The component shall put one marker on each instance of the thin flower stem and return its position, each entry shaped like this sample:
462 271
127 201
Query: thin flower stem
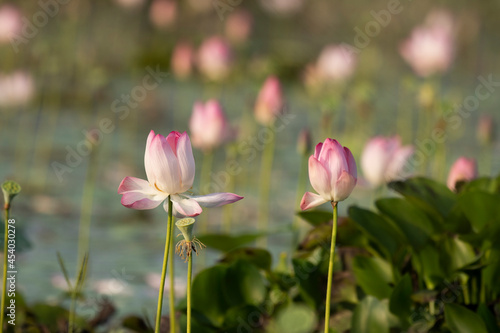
330 268
171 275
266 168
189 275
5 256
168 241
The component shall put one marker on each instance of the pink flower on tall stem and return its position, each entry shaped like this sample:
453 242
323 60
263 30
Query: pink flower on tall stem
215 58
182 60
332 173
464 169
170 170
209 126
383 159
269 104
429 49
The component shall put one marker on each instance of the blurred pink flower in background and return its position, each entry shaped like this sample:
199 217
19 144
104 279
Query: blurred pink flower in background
304 141
429 49
335 63
332 173
383 159
239 26
282 7
464 169
10 23
269 104
214 58
16 89
130 4
182 60
209 126
163 13
170 170
486 129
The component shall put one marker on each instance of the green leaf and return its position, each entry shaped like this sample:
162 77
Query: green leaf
310 281
491 273
373 275
377 228
259 257
372 316
208 293
296 318
430 266
481 208
400 301
244 285
462 320
488 318
456 254
416 228
431 196
316 217
226 243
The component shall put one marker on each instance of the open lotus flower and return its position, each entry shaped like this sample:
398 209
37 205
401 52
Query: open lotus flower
170 169
464 169
383 159
208 125
332 173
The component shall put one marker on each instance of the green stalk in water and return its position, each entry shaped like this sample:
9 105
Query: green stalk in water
171 277
330 268
168 241
10 189
266 167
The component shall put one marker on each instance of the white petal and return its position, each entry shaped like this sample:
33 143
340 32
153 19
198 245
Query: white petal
216 199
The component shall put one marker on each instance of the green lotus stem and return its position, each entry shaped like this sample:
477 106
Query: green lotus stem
171 276
266 168
330 268
189 276
301 188
168 241
5 256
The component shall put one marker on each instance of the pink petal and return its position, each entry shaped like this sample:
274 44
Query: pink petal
165 166
343 187
317 150
147 159
351 163
396 168
319 177
172 139
186 162
186 206
310 200
333 158
138 194
216 199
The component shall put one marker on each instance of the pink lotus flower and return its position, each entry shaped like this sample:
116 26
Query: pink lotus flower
10 23
464 169
383 159
239 26
163 13
269 104
208 125
170 169
215 58
429 49
335 63
332 173
182 60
